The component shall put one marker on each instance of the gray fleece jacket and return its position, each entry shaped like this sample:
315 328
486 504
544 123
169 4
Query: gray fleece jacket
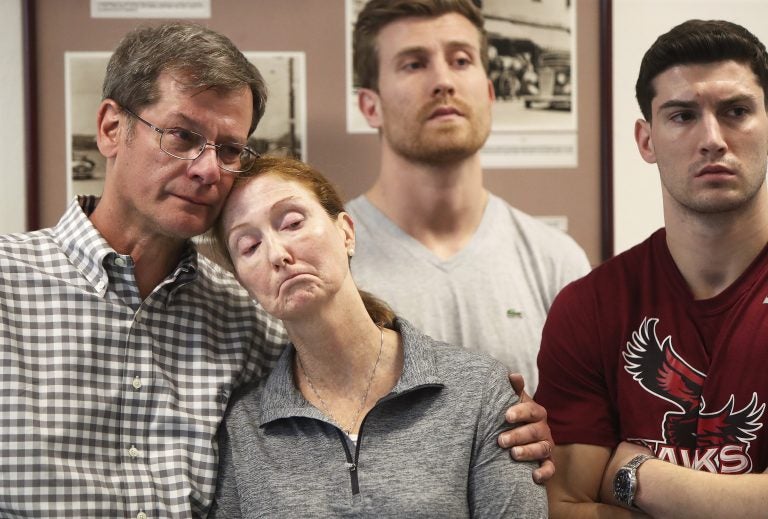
428 449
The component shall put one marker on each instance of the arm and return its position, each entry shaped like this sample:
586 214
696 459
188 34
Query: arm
531 440
669 490
498 486
574 491
226 503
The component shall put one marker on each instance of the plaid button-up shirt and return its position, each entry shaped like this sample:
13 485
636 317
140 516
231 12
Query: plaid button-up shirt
109 404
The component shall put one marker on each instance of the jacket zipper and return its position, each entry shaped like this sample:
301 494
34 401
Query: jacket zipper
351 464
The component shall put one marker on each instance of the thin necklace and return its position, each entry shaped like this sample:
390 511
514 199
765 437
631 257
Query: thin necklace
362 400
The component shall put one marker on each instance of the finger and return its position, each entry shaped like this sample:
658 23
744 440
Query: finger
525 434
517 381
526 412
532 451
545 471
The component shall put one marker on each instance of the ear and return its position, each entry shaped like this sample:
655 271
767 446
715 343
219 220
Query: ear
369 104
644 141
108 128
491 91
347 228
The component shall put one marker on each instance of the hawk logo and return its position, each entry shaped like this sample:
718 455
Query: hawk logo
693 436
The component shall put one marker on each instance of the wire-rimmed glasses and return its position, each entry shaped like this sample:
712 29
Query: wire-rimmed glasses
185 144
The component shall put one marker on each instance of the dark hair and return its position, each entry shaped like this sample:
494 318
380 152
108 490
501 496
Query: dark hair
698 42
378 13
327 196
200 57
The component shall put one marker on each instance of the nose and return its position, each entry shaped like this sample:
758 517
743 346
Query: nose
205 168
444 81
712 140
278 253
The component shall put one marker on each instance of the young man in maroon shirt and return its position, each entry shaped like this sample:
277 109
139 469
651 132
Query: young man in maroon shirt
652 366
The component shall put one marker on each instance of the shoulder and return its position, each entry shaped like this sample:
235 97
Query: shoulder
219 281
230 306
30 248
624 270
246 400
536 231
360 209
23 241
624 277
546 249
454 365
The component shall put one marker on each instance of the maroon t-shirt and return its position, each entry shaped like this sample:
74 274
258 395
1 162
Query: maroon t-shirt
628 354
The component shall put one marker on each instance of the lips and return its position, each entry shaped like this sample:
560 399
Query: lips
194 200
444 110
715 169
288 278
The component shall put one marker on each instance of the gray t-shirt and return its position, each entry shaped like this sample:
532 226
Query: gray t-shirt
428 449
493 296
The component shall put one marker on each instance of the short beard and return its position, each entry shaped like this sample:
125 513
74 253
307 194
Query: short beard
441 148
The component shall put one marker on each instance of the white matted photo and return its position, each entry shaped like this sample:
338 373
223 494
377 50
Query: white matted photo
532 51
282 130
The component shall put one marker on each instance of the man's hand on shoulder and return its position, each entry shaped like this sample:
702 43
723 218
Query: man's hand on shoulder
531 440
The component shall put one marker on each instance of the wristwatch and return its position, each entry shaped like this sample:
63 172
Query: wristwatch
625 481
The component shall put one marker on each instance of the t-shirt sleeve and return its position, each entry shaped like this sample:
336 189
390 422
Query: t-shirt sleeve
572 370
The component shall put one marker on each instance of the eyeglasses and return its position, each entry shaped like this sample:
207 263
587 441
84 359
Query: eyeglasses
188 145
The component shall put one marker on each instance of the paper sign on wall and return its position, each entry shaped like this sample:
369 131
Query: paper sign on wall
150 8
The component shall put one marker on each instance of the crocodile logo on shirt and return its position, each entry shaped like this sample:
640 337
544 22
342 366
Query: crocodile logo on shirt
693 436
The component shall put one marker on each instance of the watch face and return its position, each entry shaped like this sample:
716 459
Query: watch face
623 487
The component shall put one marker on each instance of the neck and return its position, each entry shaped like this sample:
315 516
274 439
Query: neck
154 256
344 363
336 343
712 251
439 205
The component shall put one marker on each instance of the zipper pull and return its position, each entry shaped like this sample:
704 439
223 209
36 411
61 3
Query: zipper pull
351 467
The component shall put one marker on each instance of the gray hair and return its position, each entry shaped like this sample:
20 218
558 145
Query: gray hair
202 58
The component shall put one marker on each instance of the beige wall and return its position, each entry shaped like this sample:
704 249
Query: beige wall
636 24
12 193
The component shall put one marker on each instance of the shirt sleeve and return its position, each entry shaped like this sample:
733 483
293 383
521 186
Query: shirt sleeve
226 503
498 485
269 341
573 368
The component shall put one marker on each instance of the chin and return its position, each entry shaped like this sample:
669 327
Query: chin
296 307
187 228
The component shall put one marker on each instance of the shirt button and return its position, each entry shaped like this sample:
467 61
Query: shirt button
141 515
120 262
133 451
136 382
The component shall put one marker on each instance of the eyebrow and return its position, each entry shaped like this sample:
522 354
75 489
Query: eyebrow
195 126
679 103
420 49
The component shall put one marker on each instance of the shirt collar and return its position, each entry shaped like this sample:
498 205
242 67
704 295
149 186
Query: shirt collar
87 249
281 398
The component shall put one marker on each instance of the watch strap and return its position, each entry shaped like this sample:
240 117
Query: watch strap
631 466
638 460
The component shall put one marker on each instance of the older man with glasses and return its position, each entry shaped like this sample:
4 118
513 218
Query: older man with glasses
121 344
